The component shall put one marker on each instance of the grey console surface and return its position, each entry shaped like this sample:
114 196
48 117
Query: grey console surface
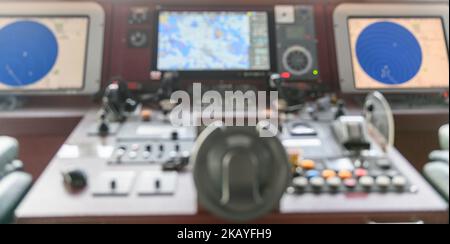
144 193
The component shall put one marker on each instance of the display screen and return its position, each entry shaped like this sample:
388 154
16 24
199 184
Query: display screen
213 41
43 53
399 53
294 32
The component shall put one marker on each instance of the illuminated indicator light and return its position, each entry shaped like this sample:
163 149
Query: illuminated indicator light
285 75
315 72
133 85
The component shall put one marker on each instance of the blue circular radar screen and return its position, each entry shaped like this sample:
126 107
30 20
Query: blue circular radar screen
28 52
389 53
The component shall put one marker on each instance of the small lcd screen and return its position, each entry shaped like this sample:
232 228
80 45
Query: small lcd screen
42 53
213 41
295 32
399 53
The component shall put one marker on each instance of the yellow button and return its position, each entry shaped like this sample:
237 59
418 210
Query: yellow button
307 164
294 157
345 174
328 173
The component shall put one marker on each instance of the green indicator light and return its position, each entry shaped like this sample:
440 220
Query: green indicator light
315 72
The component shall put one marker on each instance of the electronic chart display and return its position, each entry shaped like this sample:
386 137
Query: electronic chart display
213 41
43 53
398 53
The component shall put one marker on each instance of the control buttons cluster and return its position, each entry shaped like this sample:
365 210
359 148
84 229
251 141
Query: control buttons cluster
310 175
150 153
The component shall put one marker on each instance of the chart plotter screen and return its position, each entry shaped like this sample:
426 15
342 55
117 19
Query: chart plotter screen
210 41
399 53
42 53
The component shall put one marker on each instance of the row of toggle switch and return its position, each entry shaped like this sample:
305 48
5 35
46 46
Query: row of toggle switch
149 153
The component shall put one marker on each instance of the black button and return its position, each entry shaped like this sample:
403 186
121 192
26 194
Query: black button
174 135
157 184
113 184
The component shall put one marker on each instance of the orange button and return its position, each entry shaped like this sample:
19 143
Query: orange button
328 173
307 164
146 115
345 174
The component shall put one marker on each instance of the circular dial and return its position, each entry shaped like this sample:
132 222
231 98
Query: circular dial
138 39
297 60
28 52
389 53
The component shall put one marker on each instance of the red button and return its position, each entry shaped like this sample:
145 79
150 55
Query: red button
361 172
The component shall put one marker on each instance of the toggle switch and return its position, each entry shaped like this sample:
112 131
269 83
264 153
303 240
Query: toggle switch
157 184
113 184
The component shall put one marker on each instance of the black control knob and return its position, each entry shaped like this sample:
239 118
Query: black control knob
75 179
174 136
103 128
130 105
340 109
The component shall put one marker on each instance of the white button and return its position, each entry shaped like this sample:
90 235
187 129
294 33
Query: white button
399 181
132 155
334 182
173 154
366 181
146 154
317 182
120 152
383 181
300 182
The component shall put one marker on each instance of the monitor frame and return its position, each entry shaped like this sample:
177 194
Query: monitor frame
344 12
95 39
218 74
